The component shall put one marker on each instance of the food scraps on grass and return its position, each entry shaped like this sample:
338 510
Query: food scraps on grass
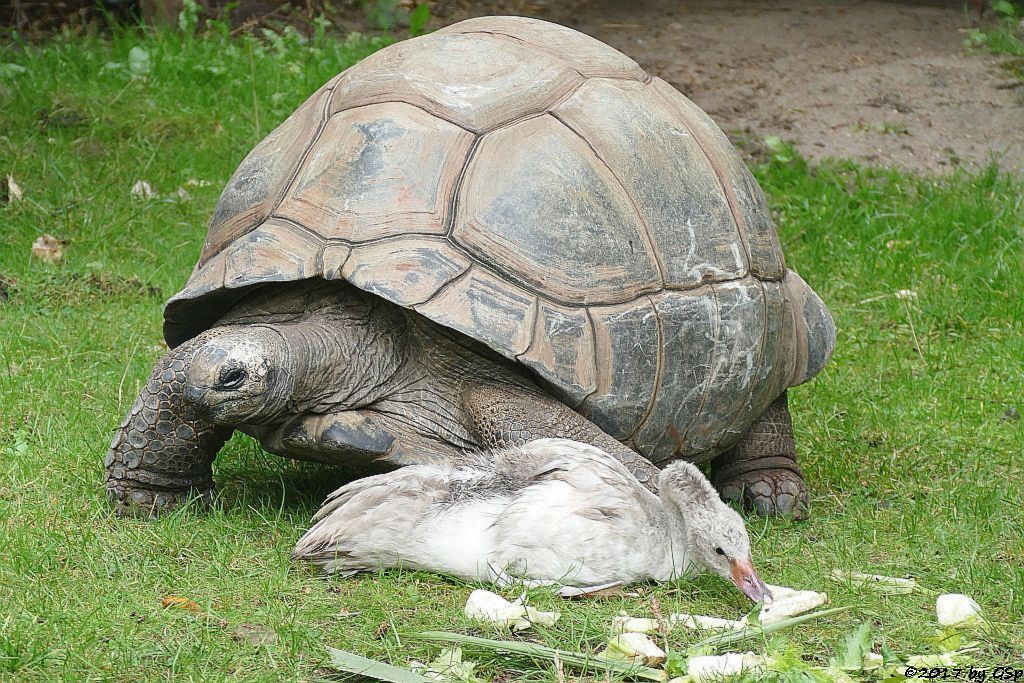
957 609
483 605
623 623
882 584
48 248
634 647
704 623
718 667
448 666
788 602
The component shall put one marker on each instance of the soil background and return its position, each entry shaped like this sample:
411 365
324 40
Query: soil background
886 83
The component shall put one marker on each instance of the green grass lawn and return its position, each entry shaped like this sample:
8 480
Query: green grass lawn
912 466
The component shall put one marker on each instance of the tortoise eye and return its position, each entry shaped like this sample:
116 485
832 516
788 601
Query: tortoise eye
232 378
719 551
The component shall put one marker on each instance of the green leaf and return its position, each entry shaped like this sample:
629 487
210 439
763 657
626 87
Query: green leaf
856 645
675 664
383 14
889 657
837 675
371 668
1004 8
450 666
946 639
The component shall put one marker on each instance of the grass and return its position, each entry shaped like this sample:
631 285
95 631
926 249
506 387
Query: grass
1002 35
913 467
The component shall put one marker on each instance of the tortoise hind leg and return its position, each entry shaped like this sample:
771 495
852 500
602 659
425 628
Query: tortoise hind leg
761 470
163 450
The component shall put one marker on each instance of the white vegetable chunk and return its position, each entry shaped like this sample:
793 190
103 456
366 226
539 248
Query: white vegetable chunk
699 621
483 605
957 609
635 647
627 624
718 667
883 584
788 602
487 606
535 616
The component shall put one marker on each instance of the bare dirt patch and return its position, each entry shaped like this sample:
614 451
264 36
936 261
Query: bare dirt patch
883 83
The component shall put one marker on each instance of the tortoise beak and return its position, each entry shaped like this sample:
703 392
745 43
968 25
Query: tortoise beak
746 579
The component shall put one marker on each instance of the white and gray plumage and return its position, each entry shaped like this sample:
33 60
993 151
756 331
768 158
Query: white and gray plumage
553 509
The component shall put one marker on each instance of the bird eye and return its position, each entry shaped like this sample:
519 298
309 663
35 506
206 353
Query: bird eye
719 551
232 379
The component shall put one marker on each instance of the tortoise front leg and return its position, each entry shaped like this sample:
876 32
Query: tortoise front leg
163 451
761 470
504 416
358 441
342 439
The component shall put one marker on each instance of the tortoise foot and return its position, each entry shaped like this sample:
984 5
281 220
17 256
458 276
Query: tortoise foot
768 492
142 501
162 454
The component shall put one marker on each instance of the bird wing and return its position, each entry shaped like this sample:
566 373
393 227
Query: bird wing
363 524
578 515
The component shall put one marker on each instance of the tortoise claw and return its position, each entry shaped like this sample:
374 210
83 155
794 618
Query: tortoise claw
141 502
768 492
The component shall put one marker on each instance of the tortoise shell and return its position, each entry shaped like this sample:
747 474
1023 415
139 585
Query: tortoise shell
536 190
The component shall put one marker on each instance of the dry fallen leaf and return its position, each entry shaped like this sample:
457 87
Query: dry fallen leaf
254 634
179 602
143 190
7 285
48 248
11 192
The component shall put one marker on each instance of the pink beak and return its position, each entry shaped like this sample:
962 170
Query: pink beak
746 579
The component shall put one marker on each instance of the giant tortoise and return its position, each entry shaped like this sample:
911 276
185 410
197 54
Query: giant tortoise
501 231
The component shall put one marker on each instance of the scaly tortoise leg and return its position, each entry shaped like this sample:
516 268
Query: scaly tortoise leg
359 442
504 416
761 470
163 451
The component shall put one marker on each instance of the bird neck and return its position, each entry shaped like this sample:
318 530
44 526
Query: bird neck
679 535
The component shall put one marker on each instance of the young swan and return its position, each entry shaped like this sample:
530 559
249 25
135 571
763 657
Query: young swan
552 510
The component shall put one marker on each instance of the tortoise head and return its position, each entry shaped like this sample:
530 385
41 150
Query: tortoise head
239 375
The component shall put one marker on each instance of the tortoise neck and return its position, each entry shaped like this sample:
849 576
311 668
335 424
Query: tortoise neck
344 355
